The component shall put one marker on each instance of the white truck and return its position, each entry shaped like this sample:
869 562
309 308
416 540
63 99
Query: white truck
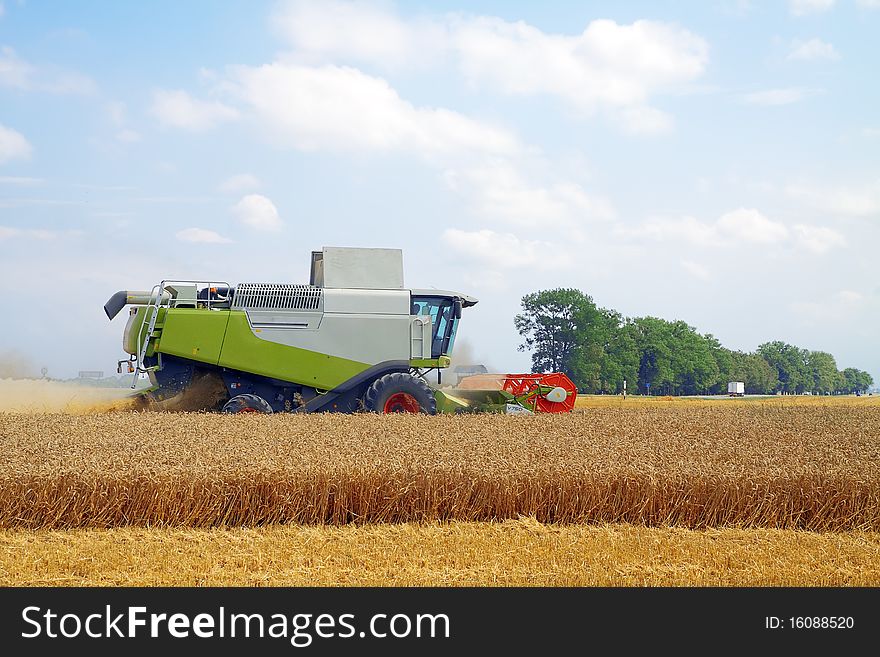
736 389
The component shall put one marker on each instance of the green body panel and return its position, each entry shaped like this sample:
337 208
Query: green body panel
443 361
243 350
225 338
447 403
477 397
132 328
460 400
192 333
137 327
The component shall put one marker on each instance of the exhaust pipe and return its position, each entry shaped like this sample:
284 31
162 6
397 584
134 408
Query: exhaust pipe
125 297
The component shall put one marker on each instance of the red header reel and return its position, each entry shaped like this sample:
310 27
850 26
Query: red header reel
542 393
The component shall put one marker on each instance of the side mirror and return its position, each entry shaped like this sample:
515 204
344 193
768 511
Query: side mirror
456 309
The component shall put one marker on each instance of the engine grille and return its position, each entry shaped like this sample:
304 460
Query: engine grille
278 296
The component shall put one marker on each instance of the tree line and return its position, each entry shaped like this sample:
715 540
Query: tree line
599 349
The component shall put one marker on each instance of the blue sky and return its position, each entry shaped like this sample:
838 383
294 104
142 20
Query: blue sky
717 162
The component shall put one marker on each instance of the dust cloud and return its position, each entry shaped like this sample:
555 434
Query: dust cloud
205 393
463 355
14 365
46 396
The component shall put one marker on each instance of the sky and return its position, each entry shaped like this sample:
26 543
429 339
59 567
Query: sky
716 162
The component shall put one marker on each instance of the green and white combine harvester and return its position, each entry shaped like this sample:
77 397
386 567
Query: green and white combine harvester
352 339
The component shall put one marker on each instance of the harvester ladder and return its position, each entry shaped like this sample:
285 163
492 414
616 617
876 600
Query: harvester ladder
160 297
154 304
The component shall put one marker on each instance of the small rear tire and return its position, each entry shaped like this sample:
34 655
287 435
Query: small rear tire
400 393
247 404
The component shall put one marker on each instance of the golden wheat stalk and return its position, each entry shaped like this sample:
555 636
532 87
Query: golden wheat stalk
802 467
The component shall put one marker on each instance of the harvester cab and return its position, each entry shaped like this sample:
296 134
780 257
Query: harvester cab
353 339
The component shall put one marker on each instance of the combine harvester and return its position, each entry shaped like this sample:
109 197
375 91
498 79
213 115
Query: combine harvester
353 339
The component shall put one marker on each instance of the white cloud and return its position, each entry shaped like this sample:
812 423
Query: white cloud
840 307
258 212
849 296
607 66
201 235
861 201
739 226
2 10
498 189
176 108
14 71
817 239
749 225
20 180
738 7
696 270
869 4
505 250
686 229
117 111
359 31
804 7
871 132
128 136
642 120
785 96
67 83
19 74
242 182
340 108
37 202
7 232
812 50
13 145
344 109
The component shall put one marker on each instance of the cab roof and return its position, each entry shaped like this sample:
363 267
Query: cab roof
466 300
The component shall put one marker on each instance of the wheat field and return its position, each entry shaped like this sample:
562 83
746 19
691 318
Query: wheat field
520 552
635 492
733 465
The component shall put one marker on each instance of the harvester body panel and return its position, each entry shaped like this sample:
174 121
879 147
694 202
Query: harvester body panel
321 346
366 326
193 333
245 348
321 350
134 324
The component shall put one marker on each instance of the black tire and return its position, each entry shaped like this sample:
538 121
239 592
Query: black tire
400 393
247 404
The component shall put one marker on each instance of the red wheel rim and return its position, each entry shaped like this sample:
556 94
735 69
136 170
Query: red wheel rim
248 409
402 402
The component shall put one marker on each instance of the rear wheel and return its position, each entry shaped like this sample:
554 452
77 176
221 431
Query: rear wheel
400 393
247 404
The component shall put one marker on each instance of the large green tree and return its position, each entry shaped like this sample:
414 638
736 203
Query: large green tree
854 380
557 327
599 349
673 358
693 362
652 338
790 362
759 377
620 356
726 361
823 370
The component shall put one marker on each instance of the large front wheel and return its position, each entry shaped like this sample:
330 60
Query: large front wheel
246 403
400 393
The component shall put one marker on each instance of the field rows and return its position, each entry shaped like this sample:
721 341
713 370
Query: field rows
519 552
779 466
